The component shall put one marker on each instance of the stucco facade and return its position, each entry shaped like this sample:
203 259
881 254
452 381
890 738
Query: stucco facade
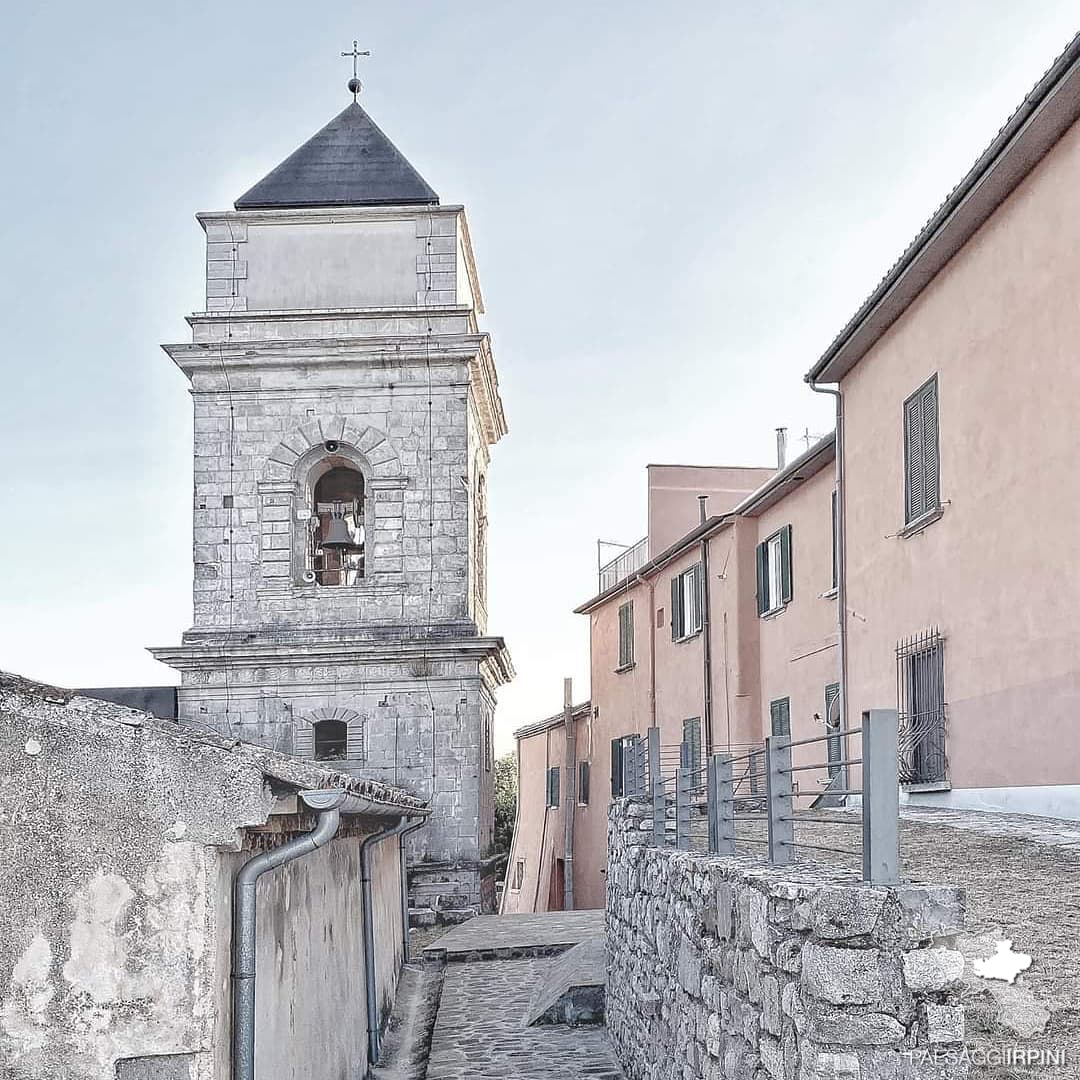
997 327
712 684
122 837
339 351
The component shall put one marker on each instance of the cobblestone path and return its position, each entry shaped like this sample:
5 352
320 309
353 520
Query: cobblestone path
480 1030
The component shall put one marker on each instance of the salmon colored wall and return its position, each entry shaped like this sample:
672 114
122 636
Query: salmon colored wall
1000 326
798 646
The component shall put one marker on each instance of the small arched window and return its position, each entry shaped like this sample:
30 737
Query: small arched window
337 527
331 740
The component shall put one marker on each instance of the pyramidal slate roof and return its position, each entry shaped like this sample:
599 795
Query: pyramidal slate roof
350 162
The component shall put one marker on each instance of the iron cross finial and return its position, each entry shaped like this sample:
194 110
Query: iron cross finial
354 83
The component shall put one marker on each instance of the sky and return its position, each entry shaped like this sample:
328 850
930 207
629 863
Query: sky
675 208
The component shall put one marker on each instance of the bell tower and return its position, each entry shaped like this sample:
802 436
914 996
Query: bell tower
345 405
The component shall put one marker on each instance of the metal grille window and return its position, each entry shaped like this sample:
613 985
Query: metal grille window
691 740
626 635
920 701
686 603
922 486
583 784
774 571
780 716
553 786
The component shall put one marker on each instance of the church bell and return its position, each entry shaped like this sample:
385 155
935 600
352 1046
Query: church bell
338 537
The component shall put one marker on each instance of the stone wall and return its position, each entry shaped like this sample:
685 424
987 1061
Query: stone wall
727 967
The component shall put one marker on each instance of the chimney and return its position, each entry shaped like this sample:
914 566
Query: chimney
703 511
781 447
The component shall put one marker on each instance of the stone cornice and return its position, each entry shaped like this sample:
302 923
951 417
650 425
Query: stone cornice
337 649
325 214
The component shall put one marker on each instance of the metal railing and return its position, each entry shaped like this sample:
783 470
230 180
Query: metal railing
701 807
624 564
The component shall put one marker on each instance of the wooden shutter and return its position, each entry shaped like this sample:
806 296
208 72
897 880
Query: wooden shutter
698 583
583 783
785 564
303 739
931 471
626 634
780 716
762 578
553 786
835 536
676 609
616 768
914 466
355 740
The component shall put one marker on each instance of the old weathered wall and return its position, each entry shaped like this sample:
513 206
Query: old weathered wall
728 968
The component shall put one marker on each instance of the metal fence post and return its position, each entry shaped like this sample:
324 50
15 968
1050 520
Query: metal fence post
721 801
881 797
682 810
778 796
656 788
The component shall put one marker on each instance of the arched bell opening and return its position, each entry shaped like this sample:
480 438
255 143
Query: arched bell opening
337 527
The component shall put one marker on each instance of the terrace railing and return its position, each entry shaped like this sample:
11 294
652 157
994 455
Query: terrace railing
703 807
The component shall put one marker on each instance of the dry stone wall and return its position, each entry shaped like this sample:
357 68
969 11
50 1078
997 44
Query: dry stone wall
725 967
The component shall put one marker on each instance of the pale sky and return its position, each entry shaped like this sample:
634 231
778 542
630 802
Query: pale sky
675 207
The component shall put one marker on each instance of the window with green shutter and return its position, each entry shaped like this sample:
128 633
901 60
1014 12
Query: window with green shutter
922 473
626 635
617 767
553 786
687 603
780 717
774 571
691 734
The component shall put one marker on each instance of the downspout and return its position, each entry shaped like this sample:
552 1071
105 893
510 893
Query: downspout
328 817
366 847
570 757
638 579
841 562
405 829
706 633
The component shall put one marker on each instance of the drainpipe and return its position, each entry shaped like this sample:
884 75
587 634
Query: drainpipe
405 829
706 633
366 848
841 562
639 580
571 795
326 805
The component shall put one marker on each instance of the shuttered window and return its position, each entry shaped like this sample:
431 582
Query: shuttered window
626 635
691 752
774 571
835 544
922 479
780 716
616 768
553 786
583 784
687 603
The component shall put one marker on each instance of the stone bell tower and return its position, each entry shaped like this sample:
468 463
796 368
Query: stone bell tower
345 403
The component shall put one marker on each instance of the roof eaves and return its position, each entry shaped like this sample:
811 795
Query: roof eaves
1041 119
800 470
538 727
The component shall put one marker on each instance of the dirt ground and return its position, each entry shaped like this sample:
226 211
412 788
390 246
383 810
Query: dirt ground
1016 888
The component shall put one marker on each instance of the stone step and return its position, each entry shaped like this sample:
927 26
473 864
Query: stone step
572 989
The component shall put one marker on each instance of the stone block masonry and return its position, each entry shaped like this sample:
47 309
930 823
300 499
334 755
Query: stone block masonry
723 967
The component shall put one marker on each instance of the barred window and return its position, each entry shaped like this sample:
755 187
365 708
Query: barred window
687 603
920 702
922 481
331 740
626 635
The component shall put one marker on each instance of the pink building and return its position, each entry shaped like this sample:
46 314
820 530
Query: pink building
678 641
919 560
